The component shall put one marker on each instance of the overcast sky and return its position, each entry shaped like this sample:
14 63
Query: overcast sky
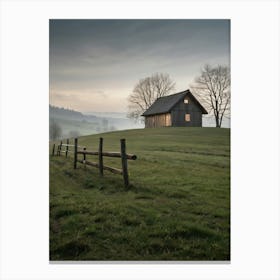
94 64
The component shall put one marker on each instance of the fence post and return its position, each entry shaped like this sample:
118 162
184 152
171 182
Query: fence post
124 163
67 148
53 149
75 152
60 146
100 156
85 156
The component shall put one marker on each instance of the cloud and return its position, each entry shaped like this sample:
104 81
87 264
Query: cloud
105 58
101 93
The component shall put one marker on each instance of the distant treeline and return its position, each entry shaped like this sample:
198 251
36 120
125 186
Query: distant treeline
69 114
64 112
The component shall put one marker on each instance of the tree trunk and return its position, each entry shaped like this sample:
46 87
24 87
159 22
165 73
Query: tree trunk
217 119
221 120
217 122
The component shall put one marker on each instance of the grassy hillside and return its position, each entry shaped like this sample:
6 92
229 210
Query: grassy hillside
178 207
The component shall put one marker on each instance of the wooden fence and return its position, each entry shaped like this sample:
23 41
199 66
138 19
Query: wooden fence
80 150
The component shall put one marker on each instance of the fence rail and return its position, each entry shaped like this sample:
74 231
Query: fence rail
108 154
100 153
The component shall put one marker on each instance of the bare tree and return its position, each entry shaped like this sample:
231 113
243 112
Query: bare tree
212 87
146 91
55 130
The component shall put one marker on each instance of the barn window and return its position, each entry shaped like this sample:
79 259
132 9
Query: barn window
186 101
187 117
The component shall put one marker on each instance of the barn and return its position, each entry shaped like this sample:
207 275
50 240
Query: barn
179 109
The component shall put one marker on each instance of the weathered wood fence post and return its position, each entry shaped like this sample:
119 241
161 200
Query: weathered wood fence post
67 148
60 147
84 156
100 156
75 152
124 163
53 149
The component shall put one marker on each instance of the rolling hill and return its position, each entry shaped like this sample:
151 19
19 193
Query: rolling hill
177 208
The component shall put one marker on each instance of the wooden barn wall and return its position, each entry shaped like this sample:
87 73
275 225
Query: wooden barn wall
179 111
157 120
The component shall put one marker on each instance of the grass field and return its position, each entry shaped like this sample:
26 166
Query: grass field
177 208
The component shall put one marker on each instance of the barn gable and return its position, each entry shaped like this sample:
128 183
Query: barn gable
180 109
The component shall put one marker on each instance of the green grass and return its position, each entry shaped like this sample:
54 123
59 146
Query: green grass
177 208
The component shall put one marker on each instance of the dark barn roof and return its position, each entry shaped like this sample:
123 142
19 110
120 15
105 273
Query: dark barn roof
166 103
